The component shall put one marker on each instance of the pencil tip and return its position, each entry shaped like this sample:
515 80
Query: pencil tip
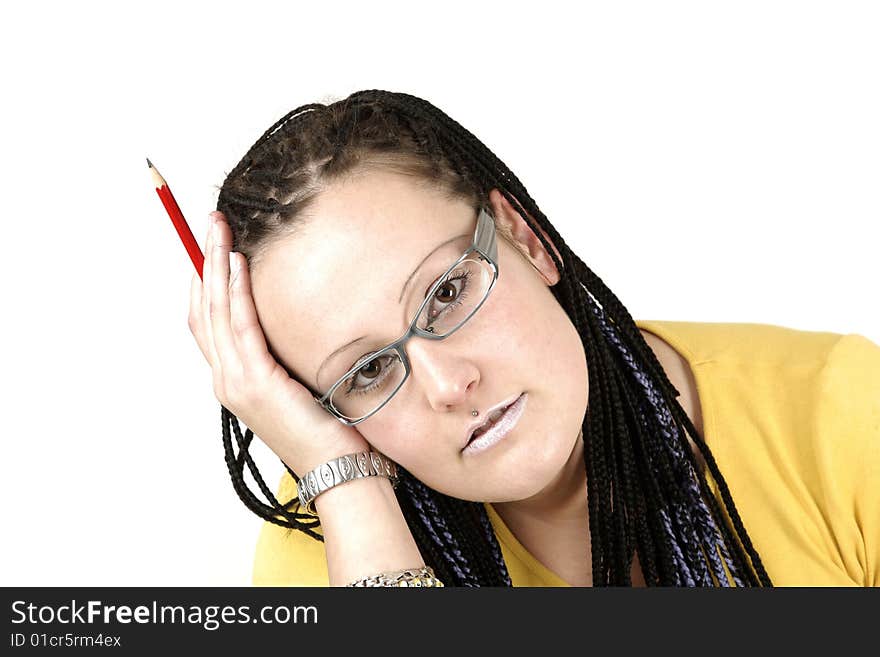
149 164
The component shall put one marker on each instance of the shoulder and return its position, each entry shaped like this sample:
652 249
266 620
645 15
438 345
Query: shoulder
846 443
847 398
852 364
847 401
762 369
793 421
743 376
744 341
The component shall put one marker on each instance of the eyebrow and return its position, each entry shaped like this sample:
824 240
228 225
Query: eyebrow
402 292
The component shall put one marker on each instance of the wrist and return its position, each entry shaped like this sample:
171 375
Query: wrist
346 495
326 448
419 576
340 472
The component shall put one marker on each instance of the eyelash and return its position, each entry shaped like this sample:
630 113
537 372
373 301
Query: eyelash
364 360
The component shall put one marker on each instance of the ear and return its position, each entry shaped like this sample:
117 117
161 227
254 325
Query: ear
509 221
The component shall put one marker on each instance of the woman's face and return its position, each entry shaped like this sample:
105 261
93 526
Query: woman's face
339 277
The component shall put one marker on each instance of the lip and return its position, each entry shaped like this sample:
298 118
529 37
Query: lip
502 426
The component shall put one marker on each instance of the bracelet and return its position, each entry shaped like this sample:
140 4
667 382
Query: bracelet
340 470
423 576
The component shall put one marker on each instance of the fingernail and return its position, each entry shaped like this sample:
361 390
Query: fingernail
215 228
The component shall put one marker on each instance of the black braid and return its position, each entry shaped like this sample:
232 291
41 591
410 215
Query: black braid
644 488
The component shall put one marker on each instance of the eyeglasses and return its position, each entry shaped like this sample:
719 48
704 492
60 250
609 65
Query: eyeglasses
375 378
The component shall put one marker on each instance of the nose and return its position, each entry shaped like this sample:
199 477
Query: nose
439 369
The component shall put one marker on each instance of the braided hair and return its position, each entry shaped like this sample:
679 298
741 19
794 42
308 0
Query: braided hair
645 491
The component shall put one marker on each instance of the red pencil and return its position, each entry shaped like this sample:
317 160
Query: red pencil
186 236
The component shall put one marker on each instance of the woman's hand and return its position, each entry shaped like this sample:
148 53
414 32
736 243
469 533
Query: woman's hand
247 379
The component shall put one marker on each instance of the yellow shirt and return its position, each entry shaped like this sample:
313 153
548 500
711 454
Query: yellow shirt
792 418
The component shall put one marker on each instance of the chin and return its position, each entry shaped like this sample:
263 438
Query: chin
536 474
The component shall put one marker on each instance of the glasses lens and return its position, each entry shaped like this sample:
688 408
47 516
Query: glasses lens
457 297
364 391
454 301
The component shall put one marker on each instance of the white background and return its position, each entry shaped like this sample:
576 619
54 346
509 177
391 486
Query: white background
710 161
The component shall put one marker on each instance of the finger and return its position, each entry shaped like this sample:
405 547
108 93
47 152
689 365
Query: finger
221 244
250 341
206 301
195 315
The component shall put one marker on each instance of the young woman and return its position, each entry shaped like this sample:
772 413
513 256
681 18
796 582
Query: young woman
461 401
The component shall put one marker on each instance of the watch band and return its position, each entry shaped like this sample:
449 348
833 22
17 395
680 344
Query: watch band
341 470
423 576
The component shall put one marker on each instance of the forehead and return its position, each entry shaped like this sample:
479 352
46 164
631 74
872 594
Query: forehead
339 276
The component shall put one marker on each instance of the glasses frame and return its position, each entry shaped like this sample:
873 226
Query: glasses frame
485 244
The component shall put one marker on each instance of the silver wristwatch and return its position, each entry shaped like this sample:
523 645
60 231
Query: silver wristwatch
340 470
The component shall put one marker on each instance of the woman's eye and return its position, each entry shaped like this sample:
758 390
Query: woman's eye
371 370
448 293
371 374
447 290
